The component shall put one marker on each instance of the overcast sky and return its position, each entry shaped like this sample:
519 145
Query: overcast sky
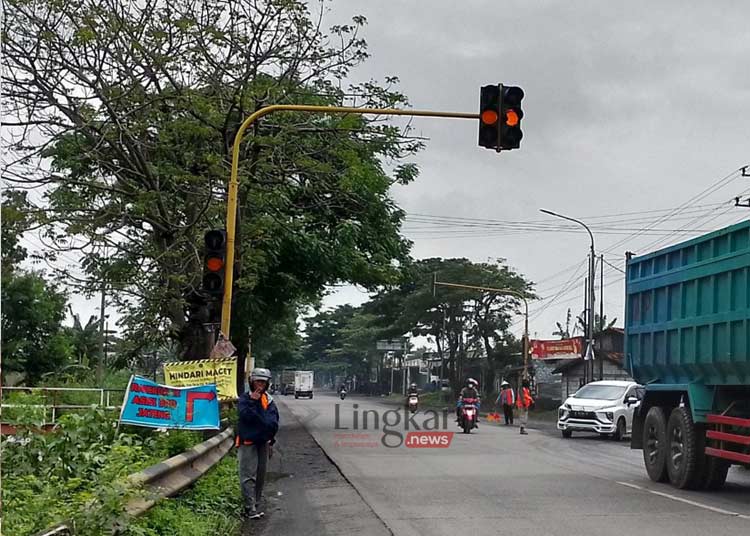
629 107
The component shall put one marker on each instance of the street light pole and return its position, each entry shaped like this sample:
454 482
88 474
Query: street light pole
592 270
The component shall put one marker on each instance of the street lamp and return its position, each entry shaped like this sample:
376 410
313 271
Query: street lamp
590 312
510 292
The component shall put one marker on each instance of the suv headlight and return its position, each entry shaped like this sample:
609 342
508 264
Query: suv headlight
605 415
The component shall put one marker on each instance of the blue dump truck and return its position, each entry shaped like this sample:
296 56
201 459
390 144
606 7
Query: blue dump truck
687 340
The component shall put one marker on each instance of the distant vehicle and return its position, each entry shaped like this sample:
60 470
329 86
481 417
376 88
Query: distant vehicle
687 315
342 394
604 407
287 382
303 383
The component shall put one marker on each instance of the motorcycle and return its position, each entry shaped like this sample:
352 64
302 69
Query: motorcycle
413 403
342 394
468 415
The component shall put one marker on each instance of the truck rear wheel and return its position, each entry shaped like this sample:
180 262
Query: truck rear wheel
686 459
655 444
716 471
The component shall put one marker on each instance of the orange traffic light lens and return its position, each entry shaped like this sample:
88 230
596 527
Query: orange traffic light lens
511 118
489 117
214 264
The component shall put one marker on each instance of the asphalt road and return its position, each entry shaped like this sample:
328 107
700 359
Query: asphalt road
494 480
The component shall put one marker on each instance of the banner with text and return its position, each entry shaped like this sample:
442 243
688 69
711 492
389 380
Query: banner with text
222 372
564 349
153 405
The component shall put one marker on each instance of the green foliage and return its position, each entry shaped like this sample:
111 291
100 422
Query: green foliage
147 160
78 472
209 508
33 339
460 321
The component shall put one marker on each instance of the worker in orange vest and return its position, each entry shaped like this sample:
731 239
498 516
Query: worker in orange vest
524 402
258 424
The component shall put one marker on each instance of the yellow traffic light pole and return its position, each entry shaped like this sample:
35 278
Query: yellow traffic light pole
226 309
509 292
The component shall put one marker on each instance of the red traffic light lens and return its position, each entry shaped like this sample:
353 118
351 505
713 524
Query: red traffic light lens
214 264
489 117
511 118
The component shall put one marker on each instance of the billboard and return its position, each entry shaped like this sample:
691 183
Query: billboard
150 404
560 349
222 372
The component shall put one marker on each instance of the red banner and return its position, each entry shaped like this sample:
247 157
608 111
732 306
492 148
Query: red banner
566 348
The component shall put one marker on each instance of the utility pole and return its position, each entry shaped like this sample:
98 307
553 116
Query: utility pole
601 308
103 344
586 321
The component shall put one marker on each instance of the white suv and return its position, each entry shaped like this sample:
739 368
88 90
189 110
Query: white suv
604 407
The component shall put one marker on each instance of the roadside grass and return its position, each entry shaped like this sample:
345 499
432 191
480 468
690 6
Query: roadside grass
211 507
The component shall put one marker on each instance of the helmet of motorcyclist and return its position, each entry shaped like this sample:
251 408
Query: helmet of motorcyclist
260 374
471 382
413 385
504 383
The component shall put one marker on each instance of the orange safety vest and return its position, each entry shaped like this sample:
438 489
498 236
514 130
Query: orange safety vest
524 400
264 403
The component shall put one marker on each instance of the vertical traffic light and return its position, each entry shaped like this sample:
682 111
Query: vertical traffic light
214 257
489 117
510 117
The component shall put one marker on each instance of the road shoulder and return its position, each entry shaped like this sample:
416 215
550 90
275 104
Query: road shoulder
307 494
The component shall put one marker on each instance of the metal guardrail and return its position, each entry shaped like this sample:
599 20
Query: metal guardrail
166 478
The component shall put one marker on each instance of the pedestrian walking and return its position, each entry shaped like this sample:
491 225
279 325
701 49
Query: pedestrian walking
524 402
258 424
507 399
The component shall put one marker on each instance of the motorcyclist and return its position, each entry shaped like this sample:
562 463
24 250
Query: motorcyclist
412 391
470 391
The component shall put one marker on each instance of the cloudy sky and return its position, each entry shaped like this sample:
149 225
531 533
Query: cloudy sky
632 110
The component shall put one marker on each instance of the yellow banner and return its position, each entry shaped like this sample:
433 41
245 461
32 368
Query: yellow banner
222 372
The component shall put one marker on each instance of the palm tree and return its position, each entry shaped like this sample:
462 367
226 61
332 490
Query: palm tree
564 332
600 324
85 340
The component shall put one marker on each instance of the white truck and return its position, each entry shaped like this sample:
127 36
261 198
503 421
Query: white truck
303 383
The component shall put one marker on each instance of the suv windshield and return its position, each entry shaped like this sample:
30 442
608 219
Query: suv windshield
600 392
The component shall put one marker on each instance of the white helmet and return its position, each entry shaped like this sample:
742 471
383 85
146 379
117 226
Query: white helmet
260 374
472 381
504 383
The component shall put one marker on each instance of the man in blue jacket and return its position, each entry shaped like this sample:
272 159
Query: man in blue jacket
258 424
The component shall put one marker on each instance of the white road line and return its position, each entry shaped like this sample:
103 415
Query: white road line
686 501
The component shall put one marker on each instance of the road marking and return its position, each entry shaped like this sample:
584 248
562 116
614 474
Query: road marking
686 501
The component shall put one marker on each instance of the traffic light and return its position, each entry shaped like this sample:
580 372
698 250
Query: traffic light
500 117
489 117
214 257
510 117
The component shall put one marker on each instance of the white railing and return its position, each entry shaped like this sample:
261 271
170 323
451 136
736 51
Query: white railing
53 403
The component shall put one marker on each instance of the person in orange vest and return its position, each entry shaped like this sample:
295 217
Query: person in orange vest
507 398
258 424
524 402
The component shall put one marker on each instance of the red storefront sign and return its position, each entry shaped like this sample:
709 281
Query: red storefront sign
566 348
